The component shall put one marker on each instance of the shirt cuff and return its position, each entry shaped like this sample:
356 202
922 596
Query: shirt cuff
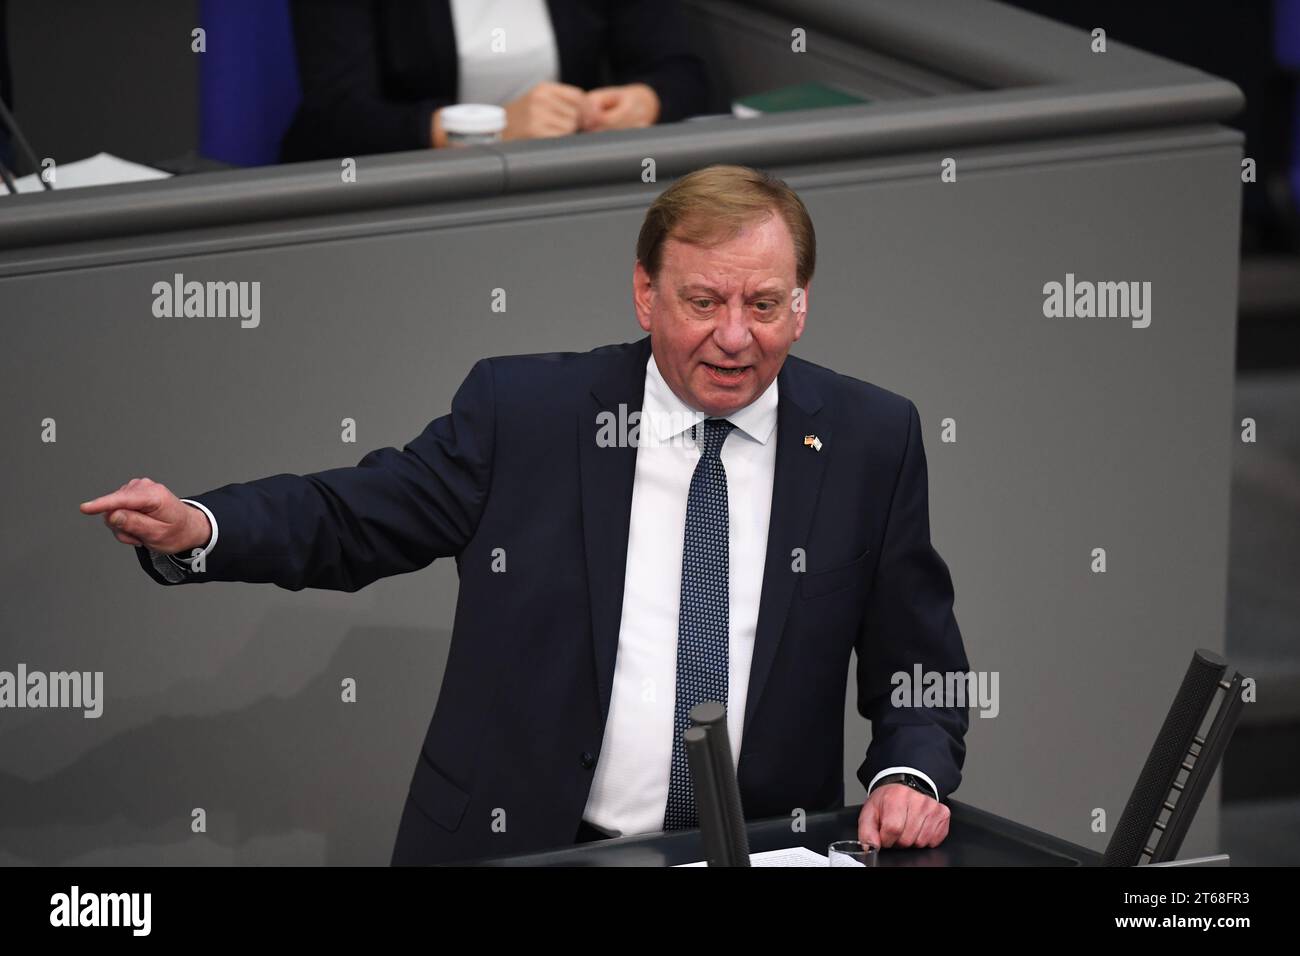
912 770
212 523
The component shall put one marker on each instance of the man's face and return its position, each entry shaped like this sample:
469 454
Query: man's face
721 318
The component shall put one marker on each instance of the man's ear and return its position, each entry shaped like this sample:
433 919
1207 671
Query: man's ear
643 295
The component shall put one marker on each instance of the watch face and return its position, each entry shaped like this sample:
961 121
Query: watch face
916 784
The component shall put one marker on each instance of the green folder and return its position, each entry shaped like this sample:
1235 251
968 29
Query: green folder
802 96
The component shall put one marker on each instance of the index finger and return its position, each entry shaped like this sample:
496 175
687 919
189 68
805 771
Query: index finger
134 499
869 824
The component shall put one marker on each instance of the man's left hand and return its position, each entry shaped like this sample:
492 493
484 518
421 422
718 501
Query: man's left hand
620 107
897 815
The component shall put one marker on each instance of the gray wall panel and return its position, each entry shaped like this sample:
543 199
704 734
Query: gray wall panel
1072 433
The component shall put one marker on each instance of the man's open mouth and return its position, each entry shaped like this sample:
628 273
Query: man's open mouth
728 371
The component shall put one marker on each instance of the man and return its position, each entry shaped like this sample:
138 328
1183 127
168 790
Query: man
692 516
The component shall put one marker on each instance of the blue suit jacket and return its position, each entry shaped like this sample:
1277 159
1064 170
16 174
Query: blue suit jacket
520 718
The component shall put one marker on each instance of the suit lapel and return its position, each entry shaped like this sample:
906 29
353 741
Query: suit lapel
607 475
795 486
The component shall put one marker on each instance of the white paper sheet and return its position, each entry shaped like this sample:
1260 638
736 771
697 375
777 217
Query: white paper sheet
792 856
102 169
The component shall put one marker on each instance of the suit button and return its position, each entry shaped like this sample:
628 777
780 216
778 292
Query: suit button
588 760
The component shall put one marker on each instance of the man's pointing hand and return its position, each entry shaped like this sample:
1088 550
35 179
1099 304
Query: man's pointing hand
144 513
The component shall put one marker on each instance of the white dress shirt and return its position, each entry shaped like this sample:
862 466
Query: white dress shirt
630 789
504 48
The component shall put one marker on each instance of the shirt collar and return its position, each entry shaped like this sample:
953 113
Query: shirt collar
667 415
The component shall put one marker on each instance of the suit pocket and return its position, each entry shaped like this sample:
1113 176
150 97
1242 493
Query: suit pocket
441 800
820 583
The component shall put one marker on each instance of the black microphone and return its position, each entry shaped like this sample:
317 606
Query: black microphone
717 795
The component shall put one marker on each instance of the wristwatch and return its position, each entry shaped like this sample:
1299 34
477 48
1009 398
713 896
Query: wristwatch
907 779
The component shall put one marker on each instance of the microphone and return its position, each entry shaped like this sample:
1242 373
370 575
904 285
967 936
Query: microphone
717 795
16 131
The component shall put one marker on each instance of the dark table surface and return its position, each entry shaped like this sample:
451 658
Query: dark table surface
975 838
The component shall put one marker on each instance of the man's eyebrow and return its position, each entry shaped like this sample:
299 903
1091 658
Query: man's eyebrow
696 287
773 288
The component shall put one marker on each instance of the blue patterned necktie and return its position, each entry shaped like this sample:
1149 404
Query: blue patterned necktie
702 640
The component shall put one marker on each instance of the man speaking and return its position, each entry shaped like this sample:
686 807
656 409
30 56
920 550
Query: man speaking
692 516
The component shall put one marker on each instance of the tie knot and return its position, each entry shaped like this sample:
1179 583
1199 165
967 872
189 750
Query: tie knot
710 434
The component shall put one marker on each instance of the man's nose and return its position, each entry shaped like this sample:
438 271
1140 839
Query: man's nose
732 333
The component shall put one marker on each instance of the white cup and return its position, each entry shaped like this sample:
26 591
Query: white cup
469 124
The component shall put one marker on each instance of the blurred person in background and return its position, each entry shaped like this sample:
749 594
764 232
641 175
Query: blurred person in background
376 75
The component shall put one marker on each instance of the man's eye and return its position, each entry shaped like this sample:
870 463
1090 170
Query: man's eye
703 303
765 306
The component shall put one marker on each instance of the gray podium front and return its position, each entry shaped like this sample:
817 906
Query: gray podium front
377 296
